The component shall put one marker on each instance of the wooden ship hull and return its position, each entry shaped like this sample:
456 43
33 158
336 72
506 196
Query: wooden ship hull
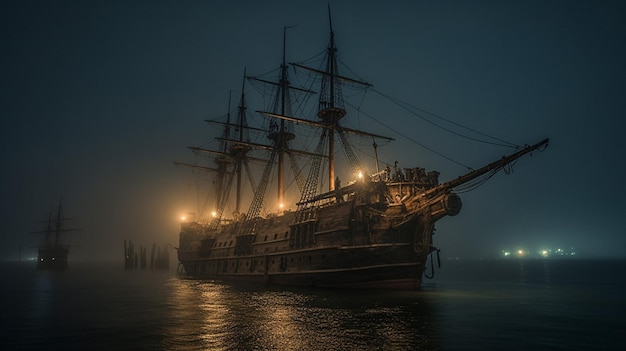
344 245
371 234
348 256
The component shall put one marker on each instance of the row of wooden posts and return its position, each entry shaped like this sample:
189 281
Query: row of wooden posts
159 257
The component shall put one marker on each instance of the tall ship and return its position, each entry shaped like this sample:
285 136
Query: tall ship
375 231
54 245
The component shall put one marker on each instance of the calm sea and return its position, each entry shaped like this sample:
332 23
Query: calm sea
470 305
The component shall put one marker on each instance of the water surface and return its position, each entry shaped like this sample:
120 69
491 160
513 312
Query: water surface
475 305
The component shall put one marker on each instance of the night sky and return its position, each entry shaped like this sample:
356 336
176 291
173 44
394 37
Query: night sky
98 98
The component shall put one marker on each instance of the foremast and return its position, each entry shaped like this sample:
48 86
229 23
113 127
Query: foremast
331 108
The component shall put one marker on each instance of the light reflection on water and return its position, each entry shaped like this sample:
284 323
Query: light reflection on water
233 317
469 306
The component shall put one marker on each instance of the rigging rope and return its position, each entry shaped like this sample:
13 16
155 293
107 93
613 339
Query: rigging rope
404 106
411 139
349 152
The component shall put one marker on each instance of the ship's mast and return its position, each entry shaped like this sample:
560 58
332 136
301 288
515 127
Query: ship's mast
48 230
221 161
280 129
233 150
282 136
239 149
58 227
331 108
330 111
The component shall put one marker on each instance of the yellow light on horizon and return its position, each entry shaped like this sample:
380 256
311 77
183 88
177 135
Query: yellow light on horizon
213 214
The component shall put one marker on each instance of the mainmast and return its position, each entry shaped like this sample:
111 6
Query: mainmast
278 133
331 106
331 109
